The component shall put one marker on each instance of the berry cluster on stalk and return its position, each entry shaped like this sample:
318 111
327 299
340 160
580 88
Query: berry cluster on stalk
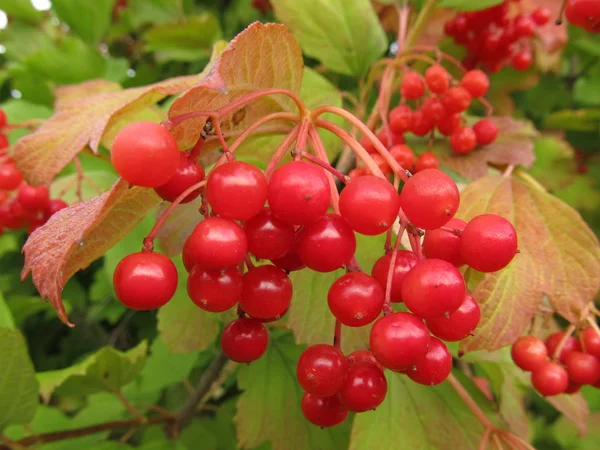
561 364
21 206
584 14
260 226
498 36
429 103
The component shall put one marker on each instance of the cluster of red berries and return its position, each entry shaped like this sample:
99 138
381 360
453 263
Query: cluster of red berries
21 205
584 14
495 37
561 370
297 231
438 105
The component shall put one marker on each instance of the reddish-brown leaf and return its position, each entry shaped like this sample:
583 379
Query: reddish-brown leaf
77 235
513 146
260 57
559 257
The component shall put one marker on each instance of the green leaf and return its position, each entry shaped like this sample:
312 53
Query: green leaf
22 40
18 386
23 10
419 417
94 183
574 120
106 370
199 431
88 20
6 317
141 12
269 407
51 62
345 35
571 438
554 163
184 41
468 5
587 91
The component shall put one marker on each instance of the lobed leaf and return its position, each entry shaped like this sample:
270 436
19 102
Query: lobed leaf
559 257
345 36
260 57
106 370
77 235
178 226
513 146
269 407
18 386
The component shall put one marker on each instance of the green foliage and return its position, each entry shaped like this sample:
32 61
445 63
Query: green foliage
468 5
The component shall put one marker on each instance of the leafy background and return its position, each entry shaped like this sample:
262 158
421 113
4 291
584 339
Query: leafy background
53 378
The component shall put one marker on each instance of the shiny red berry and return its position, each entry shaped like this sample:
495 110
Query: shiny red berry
369 205
188 174
425 161
321 370
458 325
529 353
10 177
217 243
267 292
363 356
355 299
145 154
269 237
443 244
550 379
571 345
401 119
244 340
215 290
34 198
236 190
403 155
299 193
364 389
486 132
476 82
582 368
591 342
405 261
421 124
323 411
437 79
412 86
145 280
522 60
290 261
463 140
435 367
541 16
456 100
54 206
449 123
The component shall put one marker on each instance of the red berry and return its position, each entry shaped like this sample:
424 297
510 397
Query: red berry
4 142
401 118
412 86
186 256
433 110
460 324
34 198
529 353
267 292
584 13
476 82
433 288
355 299
323 411
381 163
368 145
430 199
591 342
389 139
434 367
486 132
442 244
188 173
437 78
421 124
405 261
215 290
54 206
399 340
289 262
356 173
268 237
3 119
571 345
327 244
582 368
363 356
449 123
541 16
522 61
299 193
8 219
463 140
456 100
403 155
425 161
20 212
550 379
321 370
572 388
369 205
236 190
145 154
364 388
244 340
488 243
145 280
217 243
10 177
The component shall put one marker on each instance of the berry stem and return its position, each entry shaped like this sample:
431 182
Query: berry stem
420 23
197 148
454 231
516 440
281 151
351 141
485 439
497 442
337 335
344 178
566 335
415 245
561 12
302 135
471 404
149 240
387 303
322 155
593 324
222 141
260 122
403 13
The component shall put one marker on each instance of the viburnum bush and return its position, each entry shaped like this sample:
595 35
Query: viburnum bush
348 250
